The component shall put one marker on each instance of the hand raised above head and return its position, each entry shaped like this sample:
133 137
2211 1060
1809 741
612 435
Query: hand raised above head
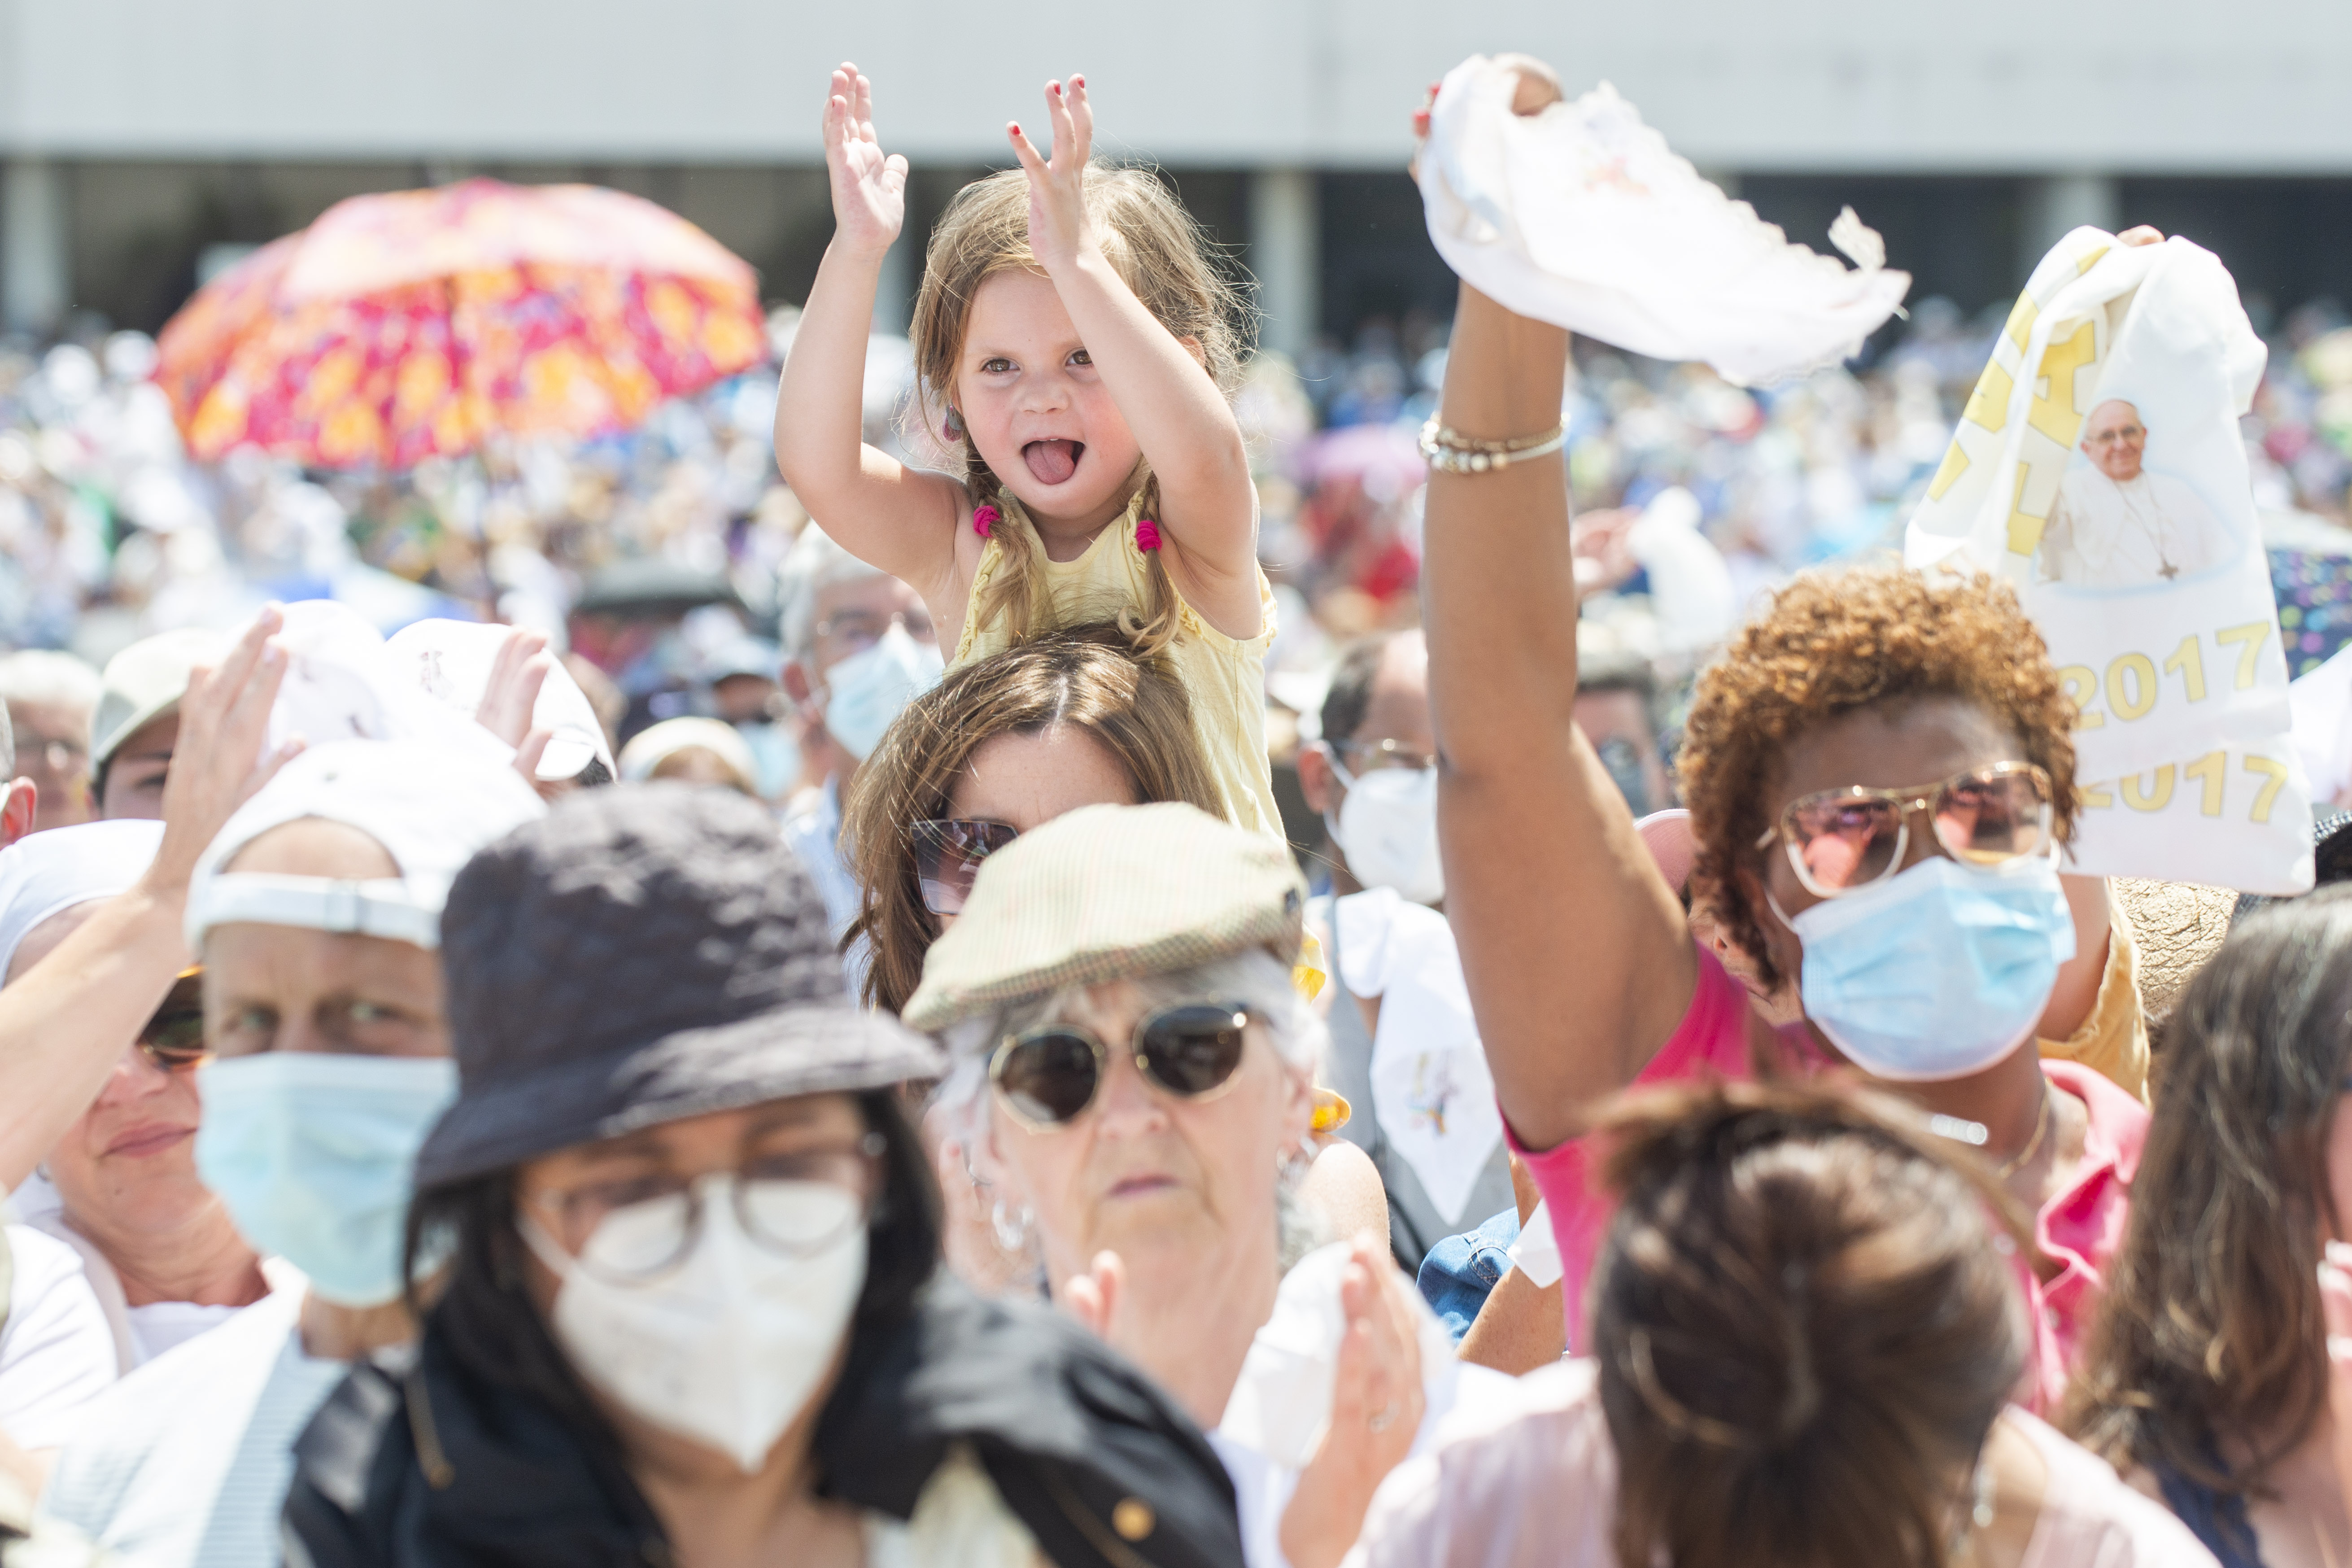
1060 230
1539 86
1537 89
223 720
869 189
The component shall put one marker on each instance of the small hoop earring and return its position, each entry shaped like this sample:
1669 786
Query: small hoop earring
954 423
1012 1227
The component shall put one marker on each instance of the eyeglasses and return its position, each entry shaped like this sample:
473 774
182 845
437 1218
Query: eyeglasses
859 630
1373 756
173 1038
1049 1075
1840 840
794 1204
947 853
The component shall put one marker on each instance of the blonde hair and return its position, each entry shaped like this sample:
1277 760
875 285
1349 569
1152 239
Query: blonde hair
1160 253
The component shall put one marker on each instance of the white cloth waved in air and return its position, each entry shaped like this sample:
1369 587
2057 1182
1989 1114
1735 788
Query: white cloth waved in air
1581 215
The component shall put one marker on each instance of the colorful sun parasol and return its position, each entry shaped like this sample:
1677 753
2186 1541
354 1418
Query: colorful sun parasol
413 324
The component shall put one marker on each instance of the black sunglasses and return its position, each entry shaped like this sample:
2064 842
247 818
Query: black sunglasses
948 854
173 1038
1049 1075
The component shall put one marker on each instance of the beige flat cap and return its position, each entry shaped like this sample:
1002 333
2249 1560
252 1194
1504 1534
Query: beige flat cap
1105 892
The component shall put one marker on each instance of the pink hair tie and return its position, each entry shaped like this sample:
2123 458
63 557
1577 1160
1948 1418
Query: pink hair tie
1147 534
984 520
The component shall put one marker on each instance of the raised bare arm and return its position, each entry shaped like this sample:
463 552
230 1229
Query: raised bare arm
1578 957
1181 421
64 1026
898 519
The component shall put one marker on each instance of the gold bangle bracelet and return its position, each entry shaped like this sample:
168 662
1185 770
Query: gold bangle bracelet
1434 433
1445 457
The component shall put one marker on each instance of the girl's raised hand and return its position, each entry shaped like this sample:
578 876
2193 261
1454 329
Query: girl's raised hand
869 191
1058 230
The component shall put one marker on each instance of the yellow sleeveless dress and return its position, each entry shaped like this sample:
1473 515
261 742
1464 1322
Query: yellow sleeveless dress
1224 676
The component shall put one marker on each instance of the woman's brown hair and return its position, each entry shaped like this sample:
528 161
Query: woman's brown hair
1087 676
1160 253
1804 1327
2209 1359
1829 643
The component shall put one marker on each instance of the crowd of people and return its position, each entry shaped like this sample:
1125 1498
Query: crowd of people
1111 967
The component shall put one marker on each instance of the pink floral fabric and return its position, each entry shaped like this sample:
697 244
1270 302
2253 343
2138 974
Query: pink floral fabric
412 325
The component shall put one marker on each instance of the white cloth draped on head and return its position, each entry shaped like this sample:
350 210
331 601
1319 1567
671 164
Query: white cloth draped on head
46 874
344 682
452 660
431 807
1582 216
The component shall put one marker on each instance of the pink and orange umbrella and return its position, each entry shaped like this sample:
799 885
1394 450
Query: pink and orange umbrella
413 324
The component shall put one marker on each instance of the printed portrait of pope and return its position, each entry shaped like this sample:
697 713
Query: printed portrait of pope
2117 525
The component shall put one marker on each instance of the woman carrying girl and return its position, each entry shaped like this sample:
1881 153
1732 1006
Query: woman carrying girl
1074 342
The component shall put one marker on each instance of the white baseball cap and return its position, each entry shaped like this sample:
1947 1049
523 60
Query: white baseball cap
144 682
430 806
47 873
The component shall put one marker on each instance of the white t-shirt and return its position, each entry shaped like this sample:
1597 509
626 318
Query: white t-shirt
186 1462
161 1325
57 1353
1529 1480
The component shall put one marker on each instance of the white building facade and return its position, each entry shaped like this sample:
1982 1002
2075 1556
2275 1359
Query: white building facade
138 134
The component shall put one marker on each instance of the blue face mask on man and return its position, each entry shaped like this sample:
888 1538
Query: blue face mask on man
1938 971
313 1152
865 691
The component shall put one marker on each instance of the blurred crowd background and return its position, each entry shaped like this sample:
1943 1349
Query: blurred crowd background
652 556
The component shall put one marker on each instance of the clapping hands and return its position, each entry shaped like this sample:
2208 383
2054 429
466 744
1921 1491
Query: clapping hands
870 190
1059 231
1377 1405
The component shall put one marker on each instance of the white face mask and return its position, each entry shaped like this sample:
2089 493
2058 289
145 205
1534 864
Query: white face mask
1387 828
727 1346
867 691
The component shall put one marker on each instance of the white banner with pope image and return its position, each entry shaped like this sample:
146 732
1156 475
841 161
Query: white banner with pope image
2099 470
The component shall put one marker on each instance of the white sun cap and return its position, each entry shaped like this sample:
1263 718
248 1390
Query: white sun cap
430 806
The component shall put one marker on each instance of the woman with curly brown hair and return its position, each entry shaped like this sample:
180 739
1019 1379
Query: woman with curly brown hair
2209 1371
1880 780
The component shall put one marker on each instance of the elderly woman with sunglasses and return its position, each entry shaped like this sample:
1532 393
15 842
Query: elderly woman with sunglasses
1129 1049
997 749
159 1251
1880 779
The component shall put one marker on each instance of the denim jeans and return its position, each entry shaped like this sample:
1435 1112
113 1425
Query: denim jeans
1460 1272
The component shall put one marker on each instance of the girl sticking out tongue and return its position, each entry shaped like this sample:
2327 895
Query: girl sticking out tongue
1075 343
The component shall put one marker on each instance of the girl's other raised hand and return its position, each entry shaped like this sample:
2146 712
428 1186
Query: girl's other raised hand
870 190
1058 229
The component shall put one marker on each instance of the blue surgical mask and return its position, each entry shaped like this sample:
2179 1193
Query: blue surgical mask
867 691
1938 971
313 1154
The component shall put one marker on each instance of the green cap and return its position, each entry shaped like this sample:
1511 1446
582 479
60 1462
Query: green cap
1105 892
144 682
